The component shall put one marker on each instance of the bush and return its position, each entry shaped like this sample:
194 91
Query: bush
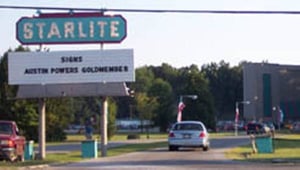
133 136
55 134
111 130
31 133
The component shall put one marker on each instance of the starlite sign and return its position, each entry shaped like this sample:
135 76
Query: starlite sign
64 28
62 67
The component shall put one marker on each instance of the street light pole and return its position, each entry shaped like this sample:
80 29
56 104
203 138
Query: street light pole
237 114
181 105
194 97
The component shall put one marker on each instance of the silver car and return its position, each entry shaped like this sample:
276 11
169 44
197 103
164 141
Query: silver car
188 134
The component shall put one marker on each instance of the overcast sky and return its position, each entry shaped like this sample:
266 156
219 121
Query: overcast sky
185 39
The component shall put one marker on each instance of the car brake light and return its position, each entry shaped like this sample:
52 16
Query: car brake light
202 135
171 135
10 143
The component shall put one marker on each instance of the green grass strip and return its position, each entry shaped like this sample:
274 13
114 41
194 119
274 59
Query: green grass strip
286 149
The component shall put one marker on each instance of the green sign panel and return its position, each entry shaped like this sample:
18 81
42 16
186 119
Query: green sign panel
64 28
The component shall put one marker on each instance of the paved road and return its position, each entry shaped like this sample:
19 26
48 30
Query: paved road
184 159
161 158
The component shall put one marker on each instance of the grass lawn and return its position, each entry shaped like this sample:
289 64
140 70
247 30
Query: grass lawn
117 137
123 136
135 148
286 147
50 158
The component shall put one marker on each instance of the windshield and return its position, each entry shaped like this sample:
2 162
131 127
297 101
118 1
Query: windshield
5 128
188 126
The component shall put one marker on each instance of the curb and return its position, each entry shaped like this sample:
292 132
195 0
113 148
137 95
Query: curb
43 166
285 162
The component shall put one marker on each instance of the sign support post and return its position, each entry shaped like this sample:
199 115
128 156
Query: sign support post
42 124
103 122
104 127
42 128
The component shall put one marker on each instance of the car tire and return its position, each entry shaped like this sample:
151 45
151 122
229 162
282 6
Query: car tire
21 158
173 148
205 148
176 148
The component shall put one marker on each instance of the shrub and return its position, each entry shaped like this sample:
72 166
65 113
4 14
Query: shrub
133 136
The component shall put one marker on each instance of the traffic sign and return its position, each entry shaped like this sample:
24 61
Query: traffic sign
66 28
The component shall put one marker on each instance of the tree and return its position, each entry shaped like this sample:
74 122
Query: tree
146 106
58 116
194 83
162 91
126 105
166 73
226 85
144 79
24 112
111 118
168 84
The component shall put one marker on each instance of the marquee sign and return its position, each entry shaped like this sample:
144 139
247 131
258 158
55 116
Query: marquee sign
62 67
64 28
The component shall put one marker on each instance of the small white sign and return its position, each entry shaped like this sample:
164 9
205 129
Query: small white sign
62 67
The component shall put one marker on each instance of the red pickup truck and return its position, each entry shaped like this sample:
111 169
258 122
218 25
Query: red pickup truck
11 143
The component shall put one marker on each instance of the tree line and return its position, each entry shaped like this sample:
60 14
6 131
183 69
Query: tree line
157 90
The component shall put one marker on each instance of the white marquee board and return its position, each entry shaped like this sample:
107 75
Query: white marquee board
62 67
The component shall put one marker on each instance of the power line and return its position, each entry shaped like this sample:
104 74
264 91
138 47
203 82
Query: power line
151 10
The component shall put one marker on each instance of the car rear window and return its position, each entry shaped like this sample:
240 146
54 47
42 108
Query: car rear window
188 126
5 128
254 126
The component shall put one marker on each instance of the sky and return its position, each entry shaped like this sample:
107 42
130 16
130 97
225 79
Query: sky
184 39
